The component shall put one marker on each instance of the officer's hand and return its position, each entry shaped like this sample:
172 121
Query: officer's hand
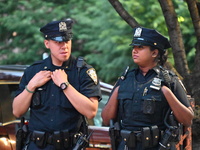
165 90
39 79
59 76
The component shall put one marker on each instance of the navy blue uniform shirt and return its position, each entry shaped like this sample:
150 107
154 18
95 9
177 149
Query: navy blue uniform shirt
132 96
178 89
56 112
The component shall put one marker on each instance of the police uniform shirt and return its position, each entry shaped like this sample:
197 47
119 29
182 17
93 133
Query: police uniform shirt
141 78
178 88
55 111
131 115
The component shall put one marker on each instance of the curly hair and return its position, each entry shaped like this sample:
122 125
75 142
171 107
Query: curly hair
162 56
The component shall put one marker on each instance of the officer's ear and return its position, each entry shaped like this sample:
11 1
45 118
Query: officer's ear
155 53
46 43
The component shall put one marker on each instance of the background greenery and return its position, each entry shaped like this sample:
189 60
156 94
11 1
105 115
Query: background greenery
100 35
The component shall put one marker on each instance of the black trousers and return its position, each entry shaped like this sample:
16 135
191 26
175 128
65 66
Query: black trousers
138 147
33 146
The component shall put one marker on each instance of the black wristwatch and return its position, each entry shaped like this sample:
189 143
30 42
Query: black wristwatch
64 85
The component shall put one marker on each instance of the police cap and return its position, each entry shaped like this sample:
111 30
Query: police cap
149 37
58 30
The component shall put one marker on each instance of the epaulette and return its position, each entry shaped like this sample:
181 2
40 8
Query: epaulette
169 71
123 76
80 62
37 62
172 73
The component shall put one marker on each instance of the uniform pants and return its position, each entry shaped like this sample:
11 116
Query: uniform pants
138 147
33 146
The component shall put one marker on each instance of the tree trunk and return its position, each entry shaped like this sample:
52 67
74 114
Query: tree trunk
176 38
194 13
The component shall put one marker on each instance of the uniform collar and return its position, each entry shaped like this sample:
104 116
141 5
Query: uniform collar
155 69
48 65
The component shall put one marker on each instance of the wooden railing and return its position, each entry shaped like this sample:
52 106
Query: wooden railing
185 142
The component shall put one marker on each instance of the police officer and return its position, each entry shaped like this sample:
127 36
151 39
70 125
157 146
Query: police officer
142 96
59 90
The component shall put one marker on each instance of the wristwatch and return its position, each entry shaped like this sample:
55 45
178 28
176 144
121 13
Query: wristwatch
64 85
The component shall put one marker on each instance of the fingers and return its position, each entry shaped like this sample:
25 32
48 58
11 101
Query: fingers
59 76
58 72
40 78
43 76
48 75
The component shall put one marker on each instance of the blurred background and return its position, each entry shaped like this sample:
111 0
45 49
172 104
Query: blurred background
100 34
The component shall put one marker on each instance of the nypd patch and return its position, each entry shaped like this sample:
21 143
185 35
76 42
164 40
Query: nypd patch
92 73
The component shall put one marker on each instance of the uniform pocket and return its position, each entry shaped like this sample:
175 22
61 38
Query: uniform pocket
38 98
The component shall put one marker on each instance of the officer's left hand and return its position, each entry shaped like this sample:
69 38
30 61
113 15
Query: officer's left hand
59 76
165 89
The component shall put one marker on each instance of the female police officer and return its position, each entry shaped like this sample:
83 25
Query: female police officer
142 96
59 90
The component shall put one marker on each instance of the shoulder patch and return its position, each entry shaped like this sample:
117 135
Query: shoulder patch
92 73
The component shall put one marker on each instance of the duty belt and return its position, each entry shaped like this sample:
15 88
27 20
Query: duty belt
148 136
59 139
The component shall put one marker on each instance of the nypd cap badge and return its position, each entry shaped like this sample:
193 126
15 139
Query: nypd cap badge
138 32
62 27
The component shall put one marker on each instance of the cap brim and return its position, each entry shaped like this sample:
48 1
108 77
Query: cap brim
139 43
60 39
135 44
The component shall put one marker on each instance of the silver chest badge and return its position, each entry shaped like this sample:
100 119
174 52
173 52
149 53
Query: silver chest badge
156 84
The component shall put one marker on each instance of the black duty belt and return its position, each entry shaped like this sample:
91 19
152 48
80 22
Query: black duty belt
59 139
148 136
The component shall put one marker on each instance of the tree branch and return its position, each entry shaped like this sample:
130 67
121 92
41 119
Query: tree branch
123 13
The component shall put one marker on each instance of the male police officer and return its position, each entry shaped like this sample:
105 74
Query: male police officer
141 99
58 91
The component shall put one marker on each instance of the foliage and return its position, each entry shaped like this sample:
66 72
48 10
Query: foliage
100 35
20 24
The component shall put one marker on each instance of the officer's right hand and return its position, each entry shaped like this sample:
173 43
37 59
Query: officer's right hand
39 79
